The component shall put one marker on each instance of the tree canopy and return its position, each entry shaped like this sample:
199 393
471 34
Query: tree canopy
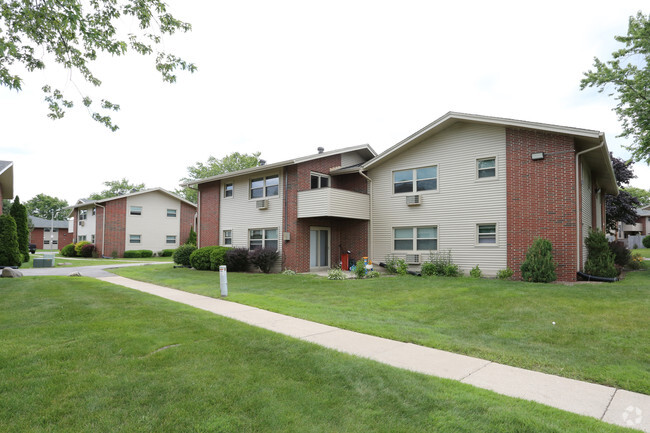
643 195
628 75
229 163
42 206
623 206
116 188
19 214
74 34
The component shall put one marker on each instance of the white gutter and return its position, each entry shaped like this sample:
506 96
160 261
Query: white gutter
370 242
103 227
579 201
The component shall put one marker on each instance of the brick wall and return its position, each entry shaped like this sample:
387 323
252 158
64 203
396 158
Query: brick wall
208 232
36 237
187 221
115 228
541 197
65 238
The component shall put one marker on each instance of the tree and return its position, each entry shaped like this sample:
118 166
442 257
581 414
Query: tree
623 206
19 214
539 266
74 34
9 253
42 206
116 188
643 195
629 76
233 162
6 206
600 259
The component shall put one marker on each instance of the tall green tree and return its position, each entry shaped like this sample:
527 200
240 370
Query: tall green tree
642 195
9 252
229 163
75 34
627 78
116 188
6 206
43 205
19 214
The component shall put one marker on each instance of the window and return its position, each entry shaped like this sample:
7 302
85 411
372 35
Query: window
319 181
415 180
92 239
263 238
46 229
134 239
94 211
83 214
265 186
486 167
136 210
55 242
227 237
46 242
486 233
228 190
82 238
415 239
171 213
170 239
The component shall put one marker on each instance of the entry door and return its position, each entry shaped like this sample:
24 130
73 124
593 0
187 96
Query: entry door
319 247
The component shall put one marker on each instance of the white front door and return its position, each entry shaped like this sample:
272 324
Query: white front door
319 247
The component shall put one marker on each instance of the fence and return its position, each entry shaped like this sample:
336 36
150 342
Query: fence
634 241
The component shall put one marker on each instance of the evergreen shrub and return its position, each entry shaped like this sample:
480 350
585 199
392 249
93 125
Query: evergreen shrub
19 213
200 258
218 257
539 266
182 254
10 254
646 241
600 259
68 251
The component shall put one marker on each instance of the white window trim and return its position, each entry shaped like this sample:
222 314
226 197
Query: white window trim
233 190
135 243
223 237
414 170
496 169
415 239
264 196
171 243
135 215
320 175
496 235
264 229
175 213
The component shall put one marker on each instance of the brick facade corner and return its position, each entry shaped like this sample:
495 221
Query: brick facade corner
208 232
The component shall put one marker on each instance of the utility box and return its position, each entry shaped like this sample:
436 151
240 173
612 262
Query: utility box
43 263
345 261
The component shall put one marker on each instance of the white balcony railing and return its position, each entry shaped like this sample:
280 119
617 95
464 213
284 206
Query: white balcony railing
333 202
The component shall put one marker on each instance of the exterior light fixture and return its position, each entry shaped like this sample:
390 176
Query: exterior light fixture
537 156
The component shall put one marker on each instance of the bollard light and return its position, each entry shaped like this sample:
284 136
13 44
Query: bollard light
223 280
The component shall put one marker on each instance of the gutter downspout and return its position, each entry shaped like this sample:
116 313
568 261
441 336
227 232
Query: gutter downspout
579 200
103 227
370 241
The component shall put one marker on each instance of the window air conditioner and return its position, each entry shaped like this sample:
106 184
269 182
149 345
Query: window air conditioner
82 223
262 204
413 200
413 259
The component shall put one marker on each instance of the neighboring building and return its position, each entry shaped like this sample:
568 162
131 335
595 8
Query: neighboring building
6 181
642 226
152 219
481 187
48 234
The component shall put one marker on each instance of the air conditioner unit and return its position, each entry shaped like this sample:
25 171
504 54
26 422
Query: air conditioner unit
413 200
413 259
82 223
262 204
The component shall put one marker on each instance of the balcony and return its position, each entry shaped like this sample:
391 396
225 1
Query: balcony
332 202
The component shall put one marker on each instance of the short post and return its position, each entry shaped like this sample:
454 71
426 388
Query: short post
223 280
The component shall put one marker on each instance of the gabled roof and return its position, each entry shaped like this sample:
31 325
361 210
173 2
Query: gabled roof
84 202
364 149
38 222
7 179
584 139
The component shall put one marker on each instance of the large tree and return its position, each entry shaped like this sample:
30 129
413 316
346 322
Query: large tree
73 33
229 163
42 206
643 195
629 77
10 254
623 206
19 214
116 188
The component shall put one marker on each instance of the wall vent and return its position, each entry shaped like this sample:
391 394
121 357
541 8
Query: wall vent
262 204
413 200
413 259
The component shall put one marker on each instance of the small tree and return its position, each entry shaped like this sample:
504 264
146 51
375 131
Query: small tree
191 239
600 259
539 266
646 241
19 214
10 254
182 254
264 258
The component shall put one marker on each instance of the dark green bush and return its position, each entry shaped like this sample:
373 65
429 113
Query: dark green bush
237 260
646 241
146 253
19 213
87 250
621 253
264 258
68 251
218 257
451 270
10 254
132 254
167 253
440 264
539 266
476 272
359 269
200 259
600 259
182 254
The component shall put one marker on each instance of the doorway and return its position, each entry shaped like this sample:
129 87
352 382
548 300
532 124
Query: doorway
319 247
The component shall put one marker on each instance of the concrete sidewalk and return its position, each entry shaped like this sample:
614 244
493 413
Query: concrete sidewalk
608 404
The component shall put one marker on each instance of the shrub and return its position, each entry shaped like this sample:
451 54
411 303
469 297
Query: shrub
87 250
636 261
288 272
237 259
621 253
167 253
451 270
359 269
132 254
440 264
201 260
10 254
335 274
373 274
505 274
146 253
182 254
476 272
396 266
18 212
78 246
600 259
218 257
68 251
264 258
539 266
191 239
646 241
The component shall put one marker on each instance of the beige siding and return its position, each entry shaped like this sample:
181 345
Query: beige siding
461 202
153 225
332 202
585 201
351 158
88 228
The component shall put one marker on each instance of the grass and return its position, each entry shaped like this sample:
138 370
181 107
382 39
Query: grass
645 252
80 355
601 332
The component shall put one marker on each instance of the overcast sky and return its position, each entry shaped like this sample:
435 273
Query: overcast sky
284 78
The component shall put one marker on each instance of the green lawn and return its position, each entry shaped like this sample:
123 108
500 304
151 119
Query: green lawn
645 252
80 355
602 331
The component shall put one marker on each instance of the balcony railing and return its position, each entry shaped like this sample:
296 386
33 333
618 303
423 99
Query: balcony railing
333 202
